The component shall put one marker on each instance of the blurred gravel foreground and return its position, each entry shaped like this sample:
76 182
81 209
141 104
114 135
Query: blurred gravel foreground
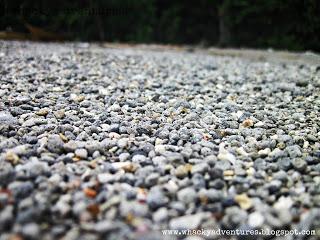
102 142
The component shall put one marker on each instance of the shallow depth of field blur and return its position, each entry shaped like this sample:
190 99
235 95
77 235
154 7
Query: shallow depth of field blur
278 24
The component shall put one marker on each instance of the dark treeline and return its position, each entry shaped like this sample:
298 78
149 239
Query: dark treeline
284 24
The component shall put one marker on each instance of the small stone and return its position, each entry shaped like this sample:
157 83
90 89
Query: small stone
12 157
264 152
312 138
160 215
77 98
81 153
62 207
7 173
259 124
6 118
152 179
244 201
31 230
224 155
21 189
156 199
89 192
294 151
211 195
200 168
59 114
250 171
122 142
255 220
228 173
174 157
187 195
123 157
247 123
160 149
105 177
42 112
114 135
299 164
104 226
283 203
33 168
6 217
182 170
302 83
55 144
216 173
284 163
70 146
241 151
139 158
34 121
63 137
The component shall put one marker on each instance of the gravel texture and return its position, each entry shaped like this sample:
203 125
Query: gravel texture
100 143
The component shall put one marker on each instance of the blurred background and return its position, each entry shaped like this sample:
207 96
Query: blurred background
279 24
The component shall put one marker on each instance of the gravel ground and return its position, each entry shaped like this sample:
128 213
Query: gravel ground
100 143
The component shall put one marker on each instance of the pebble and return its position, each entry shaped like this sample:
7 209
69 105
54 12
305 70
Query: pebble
6 118
265 152
105 177
82 153
31 230
224 155
160 215
7 173
200 168
183 170
156 199
244 201
55 144
187 195
256 220
299 164
122 143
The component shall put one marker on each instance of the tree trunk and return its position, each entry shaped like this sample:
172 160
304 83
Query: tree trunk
224 25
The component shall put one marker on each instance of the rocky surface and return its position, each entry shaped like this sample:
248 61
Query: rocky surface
101 143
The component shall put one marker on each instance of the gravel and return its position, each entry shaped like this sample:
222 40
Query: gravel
98 142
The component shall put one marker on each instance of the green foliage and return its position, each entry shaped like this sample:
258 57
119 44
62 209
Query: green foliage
286 24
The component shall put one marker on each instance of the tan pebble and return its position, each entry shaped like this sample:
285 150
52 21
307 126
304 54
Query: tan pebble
281 145
182 171
63 137
244 201
126 166
247 123
93 163
12 157
79 98
76 159
59 114
228 173
42 112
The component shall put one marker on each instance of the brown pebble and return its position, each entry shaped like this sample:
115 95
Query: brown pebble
247 123
89 192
